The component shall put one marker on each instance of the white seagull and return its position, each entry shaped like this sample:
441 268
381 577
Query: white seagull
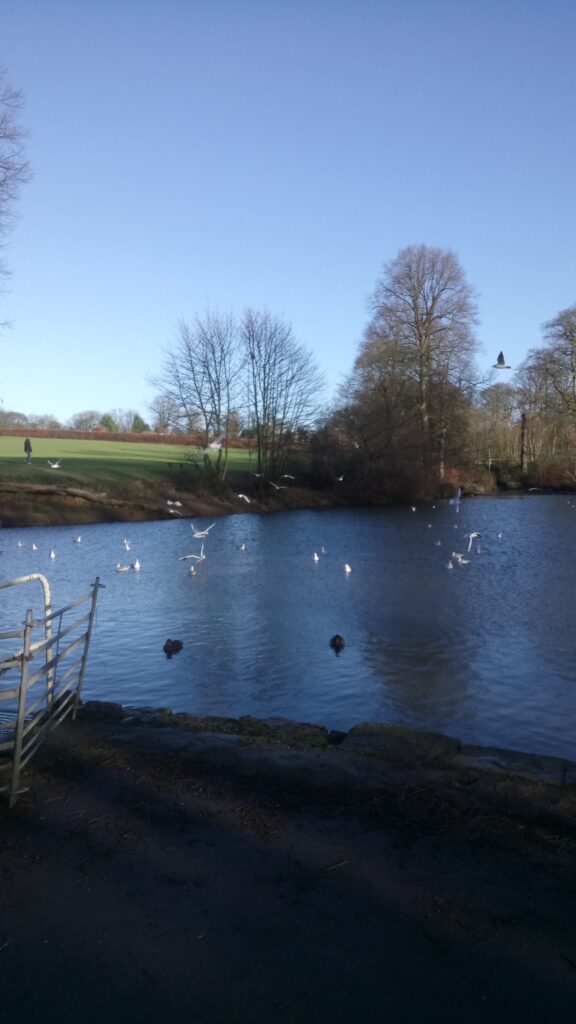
136 565
199 558
316 556
244 498
201 533
347 568
52 553
471 538
215 445
122 568
53 465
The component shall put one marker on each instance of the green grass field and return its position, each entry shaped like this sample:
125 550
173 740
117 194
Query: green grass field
93 464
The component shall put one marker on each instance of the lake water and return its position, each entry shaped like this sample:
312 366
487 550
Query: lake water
484 651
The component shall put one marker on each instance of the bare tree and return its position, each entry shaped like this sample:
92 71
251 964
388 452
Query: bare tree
201 376
14 170
167 415
10 419
44 421
87 420
559 356
424 311
284 386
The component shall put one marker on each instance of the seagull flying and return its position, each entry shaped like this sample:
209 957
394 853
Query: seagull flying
215 445
199 558
244 497
53 465
201 533
471 538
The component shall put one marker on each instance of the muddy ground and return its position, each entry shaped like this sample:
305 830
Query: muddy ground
154 874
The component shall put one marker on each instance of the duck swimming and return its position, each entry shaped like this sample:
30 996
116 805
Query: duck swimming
172 647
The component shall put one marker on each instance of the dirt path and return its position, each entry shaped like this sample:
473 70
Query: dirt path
152 874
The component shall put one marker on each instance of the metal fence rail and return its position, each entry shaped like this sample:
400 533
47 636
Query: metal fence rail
40 683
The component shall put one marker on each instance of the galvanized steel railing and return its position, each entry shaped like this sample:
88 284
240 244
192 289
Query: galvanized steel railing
34 700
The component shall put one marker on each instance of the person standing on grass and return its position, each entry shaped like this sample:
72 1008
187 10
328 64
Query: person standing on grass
28 450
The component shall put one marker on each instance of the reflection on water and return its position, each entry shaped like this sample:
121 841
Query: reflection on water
484 651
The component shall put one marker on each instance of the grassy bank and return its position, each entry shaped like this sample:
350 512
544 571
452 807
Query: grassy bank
105 463
103 481
100 481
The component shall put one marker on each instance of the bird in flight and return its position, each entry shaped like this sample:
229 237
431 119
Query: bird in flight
53 465
198 558
501 363
471 538
201 533
214 445
244 498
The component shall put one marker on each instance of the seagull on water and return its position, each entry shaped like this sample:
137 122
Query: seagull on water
347 568
52 553
122 568
316 556
136 565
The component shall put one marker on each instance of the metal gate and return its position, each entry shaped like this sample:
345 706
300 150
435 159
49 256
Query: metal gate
40 683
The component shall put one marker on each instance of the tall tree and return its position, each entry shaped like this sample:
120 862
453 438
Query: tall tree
424 311
201 376
284 386
167 415
560 356
14 170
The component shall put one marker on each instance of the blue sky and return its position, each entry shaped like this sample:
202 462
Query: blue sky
191 155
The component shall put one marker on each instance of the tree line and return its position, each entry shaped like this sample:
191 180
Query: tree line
413 412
